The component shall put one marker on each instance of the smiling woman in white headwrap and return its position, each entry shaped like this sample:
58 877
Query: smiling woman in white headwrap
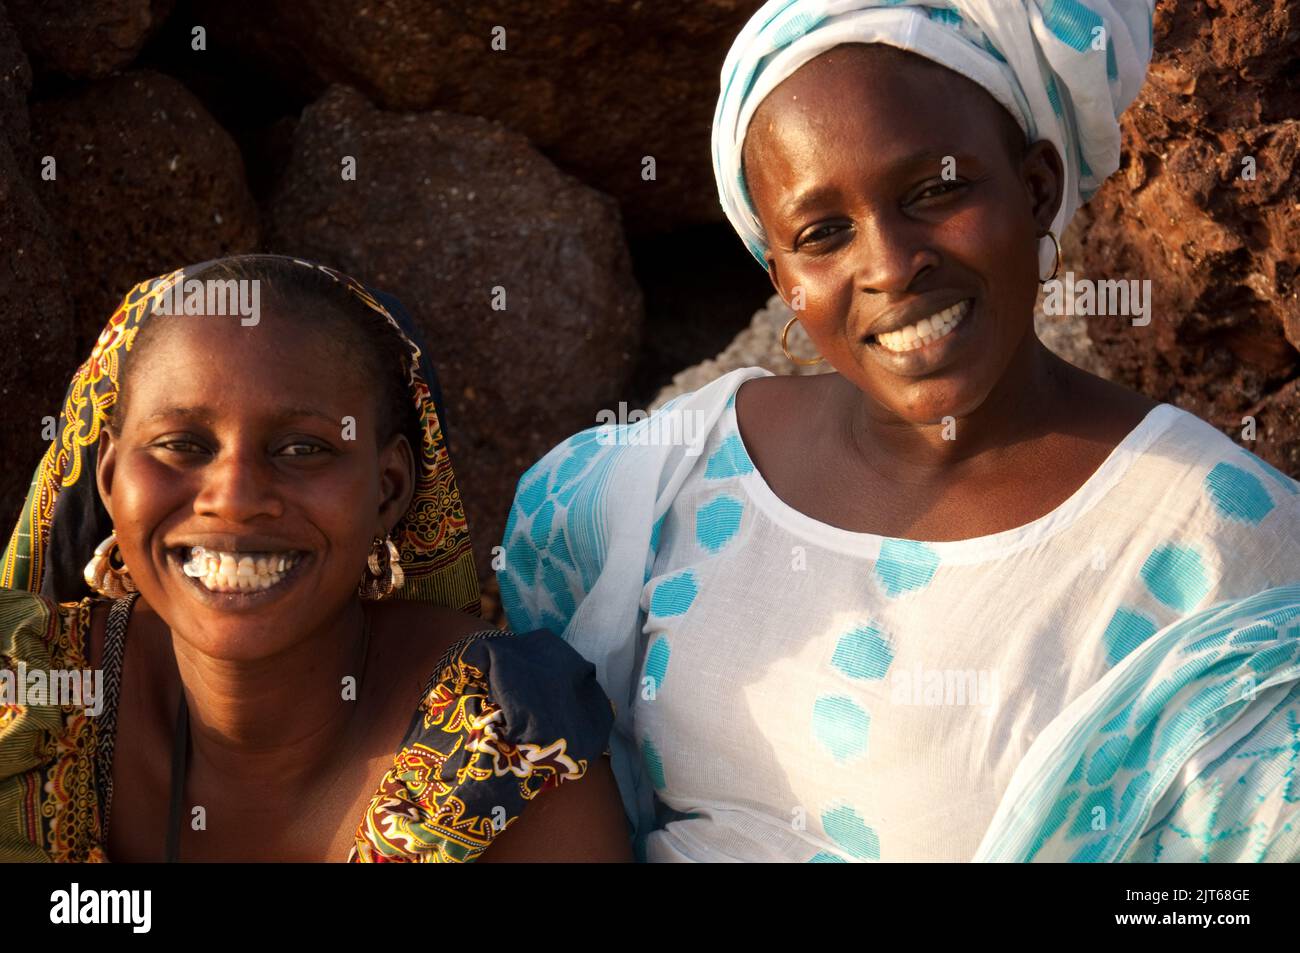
959 600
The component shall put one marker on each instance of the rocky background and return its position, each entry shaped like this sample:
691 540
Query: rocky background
188 129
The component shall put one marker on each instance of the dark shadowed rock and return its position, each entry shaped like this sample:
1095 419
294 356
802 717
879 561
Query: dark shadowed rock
35 334
147 181
1221 249
596 86
445 209
15 86
86 39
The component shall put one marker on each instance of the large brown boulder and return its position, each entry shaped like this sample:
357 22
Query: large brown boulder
35 307
596 86
443 210
86 40
1221 249
15 87
146 182
35 334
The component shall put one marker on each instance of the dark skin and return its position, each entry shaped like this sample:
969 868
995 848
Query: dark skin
283 765
889 236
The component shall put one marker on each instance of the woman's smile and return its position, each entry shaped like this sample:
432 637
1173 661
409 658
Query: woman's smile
235 580
930 345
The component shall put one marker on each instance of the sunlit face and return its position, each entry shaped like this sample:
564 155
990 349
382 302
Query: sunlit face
234 440
845 164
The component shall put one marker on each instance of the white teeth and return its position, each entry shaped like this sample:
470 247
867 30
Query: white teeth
237 572
925 331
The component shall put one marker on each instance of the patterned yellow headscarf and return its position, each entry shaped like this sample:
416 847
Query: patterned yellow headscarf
64 519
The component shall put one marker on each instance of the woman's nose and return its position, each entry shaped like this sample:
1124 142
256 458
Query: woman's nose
892 255
238 486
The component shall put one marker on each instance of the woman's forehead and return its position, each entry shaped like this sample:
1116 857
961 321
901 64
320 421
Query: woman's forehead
875 98
890 86
278 355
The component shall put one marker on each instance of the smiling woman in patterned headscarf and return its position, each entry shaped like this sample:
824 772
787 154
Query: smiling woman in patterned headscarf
249 524
958 600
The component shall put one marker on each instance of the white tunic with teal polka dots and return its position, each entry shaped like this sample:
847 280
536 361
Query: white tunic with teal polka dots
791 691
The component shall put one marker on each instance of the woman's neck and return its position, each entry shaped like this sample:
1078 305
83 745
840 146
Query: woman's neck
278 719
1023 403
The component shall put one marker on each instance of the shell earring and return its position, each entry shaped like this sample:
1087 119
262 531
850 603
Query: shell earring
101 575
383 571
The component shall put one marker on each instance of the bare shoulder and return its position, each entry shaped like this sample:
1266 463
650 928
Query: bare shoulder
1115 410
421 631
769 408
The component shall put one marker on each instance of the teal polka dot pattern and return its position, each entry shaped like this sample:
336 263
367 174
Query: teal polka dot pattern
729 460
1238 494
1148 726
540 531
1127 629
826 857
864 653
1072 22
1106 760
717 521
656 662
557 584
654 764
1098 808
531 495
521 559
846 828
1277 476
656 531
1176 576
840 725
674 595
905 565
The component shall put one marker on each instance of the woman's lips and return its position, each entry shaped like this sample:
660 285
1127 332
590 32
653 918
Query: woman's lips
930 357
225 589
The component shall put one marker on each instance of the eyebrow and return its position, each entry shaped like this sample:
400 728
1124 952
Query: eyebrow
206 415
819 193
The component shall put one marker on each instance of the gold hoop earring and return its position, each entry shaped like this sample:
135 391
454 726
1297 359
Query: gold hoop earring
802 362
1052 235
383 575
104 577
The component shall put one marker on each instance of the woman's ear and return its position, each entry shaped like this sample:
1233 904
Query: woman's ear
1044 178
396 482
105 462
772 275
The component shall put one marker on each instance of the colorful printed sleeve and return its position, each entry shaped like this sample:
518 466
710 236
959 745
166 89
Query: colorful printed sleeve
49 803
504 719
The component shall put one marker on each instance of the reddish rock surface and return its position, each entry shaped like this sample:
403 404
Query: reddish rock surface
445 208
86 40
147 182
595 85
1222 251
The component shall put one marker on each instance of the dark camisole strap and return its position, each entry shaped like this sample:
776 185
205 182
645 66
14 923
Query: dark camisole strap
119 617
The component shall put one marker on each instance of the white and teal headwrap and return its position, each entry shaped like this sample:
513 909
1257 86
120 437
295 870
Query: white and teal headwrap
1065 69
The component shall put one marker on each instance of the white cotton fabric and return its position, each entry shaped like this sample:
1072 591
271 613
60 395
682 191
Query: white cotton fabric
781 706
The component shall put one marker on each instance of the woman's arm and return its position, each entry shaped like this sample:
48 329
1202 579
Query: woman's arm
580 821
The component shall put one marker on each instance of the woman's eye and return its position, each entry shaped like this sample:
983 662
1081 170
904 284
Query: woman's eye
941 188
173 444
815 235
311 449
